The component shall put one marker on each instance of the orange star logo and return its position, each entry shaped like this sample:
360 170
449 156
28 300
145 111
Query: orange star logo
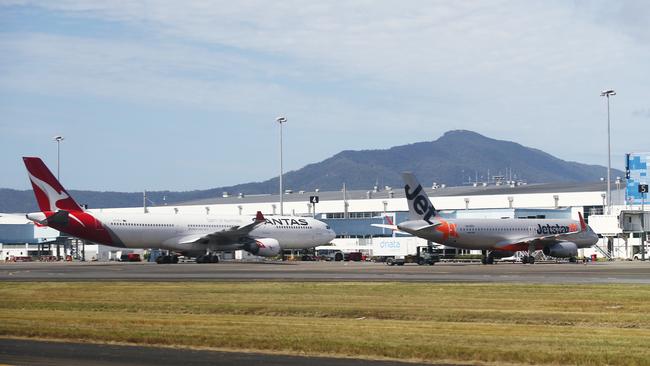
447 229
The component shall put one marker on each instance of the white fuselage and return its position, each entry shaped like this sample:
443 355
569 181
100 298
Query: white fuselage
489 234
169 231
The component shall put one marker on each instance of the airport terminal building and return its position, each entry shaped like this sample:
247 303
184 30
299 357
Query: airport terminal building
351 214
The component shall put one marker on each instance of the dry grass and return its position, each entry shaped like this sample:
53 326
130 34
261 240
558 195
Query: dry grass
536 324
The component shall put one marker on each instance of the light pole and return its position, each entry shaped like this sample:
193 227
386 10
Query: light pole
58 140
618 190
608 93
281 120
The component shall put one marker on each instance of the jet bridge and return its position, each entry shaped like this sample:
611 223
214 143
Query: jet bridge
636 221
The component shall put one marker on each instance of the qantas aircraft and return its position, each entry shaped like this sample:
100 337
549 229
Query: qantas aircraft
497 238
194 235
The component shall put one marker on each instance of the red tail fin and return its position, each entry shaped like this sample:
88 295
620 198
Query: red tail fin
259 217
583 225
50 195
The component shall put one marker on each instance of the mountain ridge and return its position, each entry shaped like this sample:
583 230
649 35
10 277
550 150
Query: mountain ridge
453 159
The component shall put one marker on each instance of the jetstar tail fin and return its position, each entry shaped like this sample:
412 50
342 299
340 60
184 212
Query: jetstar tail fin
420 207
50 194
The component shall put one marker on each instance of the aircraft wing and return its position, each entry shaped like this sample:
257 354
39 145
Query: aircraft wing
513 244
556 237
524 242
228 236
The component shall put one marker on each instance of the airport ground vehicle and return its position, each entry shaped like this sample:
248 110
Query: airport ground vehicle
353 256
130 257
424 255
330 255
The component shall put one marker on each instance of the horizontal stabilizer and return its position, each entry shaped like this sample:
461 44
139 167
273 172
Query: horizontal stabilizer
394 228
426 227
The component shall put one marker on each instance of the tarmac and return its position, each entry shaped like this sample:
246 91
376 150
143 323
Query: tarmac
551 273
47 353
35 352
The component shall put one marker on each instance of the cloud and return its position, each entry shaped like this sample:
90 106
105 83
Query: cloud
358 74
407 46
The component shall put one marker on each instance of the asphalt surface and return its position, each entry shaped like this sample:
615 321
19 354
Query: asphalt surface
554 273
30 352
45 353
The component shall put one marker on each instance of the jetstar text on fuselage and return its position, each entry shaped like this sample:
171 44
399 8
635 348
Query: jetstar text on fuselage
554 229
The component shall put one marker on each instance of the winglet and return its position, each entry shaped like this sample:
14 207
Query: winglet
583 225
390 221
259 217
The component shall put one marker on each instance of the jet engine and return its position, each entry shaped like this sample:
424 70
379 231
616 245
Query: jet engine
265 247
565 249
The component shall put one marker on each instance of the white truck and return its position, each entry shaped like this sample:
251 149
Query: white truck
398 251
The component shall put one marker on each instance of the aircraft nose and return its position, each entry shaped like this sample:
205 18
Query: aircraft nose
330 235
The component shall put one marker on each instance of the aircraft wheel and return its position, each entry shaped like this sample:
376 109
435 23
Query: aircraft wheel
531 259
573 260
214 259
524 259
484 260
490 260
174 259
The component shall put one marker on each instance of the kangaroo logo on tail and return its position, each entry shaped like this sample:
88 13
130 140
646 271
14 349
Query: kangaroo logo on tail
420 208
50 195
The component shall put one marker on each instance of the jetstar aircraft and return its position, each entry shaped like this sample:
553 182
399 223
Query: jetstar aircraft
190 234
497 238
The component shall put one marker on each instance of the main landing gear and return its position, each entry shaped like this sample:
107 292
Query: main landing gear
207 258
530 258
487 257
167 259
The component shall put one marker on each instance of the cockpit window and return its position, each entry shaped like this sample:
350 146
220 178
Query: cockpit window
327 227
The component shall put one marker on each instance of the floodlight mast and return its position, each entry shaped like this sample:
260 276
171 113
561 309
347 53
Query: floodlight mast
280 120
607 93
58 140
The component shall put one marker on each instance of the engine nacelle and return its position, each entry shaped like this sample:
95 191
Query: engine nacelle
565 249
265 247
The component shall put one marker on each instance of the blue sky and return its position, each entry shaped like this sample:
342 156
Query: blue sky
183 95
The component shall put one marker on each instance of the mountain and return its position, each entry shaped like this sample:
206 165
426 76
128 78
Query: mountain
452 159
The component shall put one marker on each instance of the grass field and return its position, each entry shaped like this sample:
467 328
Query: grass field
482 323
